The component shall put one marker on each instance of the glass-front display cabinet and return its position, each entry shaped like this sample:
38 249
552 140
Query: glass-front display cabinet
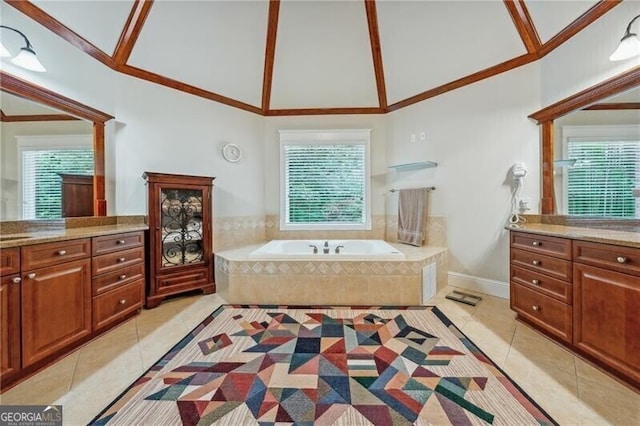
180 237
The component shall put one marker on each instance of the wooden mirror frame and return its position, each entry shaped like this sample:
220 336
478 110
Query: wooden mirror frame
28 90
545 117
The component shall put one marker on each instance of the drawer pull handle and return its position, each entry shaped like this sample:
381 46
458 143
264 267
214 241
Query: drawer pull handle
537 243
535 308
621 259
123 301
123 276
536 262
17 280
62 252
120 242
536 282
31 275
121 259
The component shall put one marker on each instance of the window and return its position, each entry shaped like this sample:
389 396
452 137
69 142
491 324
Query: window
606 170
42 158
324 180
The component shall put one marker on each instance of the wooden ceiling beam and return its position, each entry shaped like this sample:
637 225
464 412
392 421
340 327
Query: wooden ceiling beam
613 106
461 82
19 87
37 117
57 27
376 51
524 24
324 111
131 31
2 116
627 80
140 11
584 20
187 88
270 53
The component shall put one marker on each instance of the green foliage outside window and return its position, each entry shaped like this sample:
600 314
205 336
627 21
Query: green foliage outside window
47 165
602 182
325 183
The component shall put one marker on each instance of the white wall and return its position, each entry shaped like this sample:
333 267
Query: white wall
166 131
584 59
475 134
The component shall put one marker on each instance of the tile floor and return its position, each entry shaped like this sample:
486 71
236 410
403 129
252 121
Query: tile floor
569 389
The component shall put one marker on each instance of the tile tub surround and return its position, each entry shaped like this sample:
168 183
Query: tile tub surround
231 232
388 282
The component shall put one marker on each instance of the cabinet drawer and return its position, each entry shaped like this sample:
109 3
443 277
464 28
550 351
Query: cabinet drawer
115 304
111 280
10 261
115 261
545 312
182 281
549 246
609 256
558 289
551 266
116 242
47 254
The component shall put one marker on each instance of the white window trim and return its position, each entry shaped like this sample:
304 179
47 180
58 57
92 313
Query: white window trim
340 136
600 133
45 142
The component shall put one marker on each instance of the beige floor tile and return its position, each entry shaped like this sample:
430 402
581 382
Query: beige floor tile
620 407
192 314
155 340
46 386
541 351
495 344
587 371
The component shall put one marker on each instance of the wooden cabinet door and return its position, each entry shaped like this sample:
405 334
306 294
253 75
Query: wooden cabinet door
9 326
56 308
606 320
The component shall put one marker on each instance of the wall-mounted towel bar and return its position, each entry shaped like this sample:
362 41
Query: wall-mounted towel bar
428 188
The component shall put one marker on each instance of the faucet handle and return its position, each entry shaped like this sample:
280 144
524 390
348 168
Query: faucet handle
326 243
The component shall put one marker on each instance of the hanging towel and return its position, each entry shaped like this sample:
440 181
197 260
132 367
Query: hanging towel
412 214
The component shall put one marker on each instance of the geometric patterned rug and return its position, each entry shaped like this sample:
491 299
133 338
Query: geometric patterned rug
268 365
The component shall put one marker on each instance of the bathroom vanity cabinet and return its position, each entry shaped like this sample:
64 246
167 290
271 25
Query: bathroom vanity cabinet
584 294
9 313
180 235
57 295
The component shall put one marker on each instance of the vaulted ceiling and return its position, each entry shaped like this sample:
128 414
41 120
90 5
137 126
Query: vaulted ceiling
295 57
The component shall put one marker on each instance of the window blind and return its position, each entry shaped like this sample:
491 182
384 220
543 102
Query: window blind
325 183
41 183
602 181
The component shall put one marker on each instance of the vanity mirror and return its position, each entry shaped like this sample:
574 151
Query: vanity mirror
597 158
39 105
608 92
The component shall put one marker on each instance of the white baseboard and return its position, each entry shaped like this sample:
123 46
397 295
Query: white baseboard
482 285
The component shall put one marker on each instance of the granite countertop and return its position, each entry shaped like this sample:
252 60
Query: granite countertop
46 236
623 236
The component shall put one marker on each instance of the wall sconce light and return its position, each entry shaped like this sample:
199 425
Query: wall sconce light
629 45
26 58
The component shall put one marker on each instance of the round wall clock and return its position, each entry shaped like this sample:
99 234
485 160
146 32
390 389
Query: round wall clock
231 152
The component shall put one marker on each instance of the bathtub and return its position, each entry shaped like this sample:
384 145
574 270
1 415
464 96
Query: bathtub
350 250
